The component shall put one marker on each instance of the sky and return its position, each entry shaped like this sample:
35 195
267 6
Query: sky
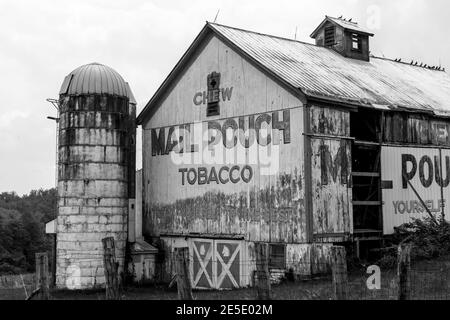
43 41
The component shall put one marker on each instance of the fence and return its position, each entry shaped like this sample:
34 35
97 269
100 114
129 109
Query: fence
409 280
27 286
330 280
17 287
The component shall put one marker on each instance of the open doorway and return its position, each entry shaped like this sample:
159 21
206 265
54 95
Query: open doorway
365 128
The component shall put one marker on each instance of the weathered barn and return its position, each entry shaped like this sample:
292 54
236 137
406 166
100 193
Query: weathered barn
256 138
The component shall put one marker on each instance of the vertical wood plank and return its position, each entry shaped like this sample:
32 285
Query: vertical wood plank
403 272
110 267
263 287
308 173
339 269
42 275
184 285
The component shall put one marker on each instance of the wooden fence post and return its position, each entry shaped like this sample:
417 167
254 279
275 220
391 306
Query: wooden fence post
110 269
403 272
42 275
263 287
339 269
184 286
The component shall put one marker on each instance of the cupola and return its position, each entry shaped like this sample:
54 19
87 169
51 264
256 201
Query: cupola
344 36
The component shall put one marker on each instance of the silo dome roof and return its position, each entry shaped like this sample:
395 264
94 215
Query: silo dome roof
96 78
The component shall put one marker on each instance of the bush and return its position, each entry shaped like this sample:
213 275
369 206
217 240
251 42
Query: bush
428 238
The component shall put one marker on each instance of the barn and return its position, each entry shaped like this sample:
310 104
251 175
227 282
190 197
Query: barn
256 138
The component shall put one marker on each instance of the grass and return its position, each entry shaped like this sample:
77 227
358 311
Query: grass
430 280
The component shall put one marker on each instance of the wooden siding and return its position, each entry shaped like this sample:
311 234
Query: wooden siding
331 169
407 128
267 208
422 166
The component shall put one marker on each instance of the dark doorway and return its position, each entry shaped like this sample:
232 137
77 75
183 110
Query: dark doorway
365 128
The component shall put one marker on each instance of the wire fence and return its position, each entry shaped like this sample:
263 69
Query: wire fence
17 287
234 278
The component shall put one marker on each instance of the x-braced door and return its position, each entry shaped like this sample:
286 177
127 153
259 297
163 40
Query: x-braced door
216 264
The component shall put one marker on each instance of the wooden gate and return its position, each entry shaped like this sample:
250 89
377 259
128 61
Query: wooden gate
216 264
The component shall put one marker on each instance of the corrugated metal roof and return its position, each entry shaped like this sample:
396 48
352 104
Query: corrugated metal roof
324 73
95 78
349 25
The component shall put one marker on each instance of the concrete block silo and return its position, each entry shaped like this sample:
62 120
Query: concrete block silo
96 173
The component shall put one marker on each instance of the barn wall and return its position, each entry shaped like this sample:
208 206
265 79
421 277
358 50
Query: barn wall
424 141
427 170
331 170
301 260
268 207
406 128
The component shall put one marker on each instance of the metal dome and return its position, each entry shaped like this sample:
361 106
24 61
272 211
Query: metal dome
96 78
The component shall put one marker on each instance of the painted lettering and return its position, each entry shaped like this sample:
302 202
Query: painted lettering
226 93
247 141
223 181
213 176
183 172
408 175
202 176
426 181
429 170
284 125
229 143
262 128
232 178
263 118
158 142
171 144
224 175
198 98
192 180
416 207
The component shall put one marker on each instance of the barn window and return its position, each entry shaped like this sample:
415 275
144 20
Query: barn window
213 109
356 42
277 256
329 36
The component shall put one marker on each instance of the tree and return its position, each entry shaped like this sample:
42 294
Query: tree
22 228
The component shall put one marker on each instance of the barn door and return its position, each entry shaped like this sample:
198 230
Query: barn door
202 264
228 262
331 193
216 264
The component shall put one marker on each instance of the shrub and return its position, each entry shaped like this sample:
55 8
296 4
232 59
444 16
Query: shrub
428 238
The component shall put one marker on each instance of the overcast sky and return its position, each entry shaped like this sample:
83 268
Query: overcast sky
42 41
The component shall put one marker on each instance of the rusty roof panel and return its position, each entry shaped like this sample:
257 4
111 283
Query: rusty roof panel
324 73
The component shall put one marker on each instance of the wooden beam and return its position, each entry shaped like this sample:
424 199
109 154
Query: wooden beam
42 282
110 269
263 288
308 174
184 285
339 270
403 272
367 203
366 174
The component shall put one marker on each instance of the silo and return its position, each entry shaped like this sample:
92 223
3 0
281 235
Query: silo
96 171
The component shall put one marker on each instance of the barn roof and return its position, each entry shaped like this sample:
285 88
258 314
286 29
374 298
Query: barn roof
347 25
323 74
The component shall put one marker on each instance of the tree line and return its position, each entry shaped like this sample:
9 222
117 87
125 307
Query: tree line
22 228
